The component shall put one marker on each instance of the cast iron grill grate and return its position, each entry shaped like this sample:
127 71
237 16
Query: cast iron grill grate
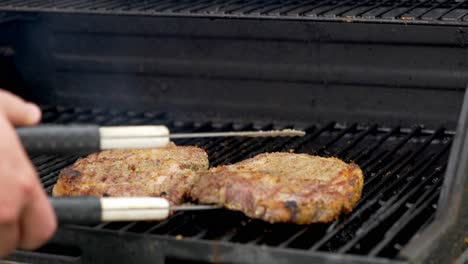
403 167
407 11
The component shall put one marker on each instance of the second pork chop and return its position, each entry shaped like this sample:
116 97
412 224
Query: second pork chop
283 187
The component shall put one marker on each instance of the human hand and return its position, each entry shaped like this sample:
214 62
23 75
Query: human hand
26 217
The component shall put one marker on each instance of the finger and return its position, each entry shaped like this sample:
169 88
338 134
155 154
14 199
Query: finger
37 213
11 203
18 111
9 235
16 183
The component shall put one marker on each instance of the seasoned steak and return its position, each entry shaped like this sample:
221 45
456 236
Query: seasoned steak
162 172
283 187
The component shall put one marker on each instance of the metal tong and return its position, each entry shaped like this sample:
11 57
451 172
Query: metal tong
85 139
88 210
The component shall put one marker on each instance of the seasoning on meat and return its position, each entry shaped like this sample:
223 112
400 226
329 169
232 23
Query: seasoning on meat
162 172
283 187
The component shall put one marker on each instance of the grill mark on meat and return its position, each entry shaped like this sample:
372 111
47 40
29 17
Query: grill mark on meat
283 187
292 206
71 172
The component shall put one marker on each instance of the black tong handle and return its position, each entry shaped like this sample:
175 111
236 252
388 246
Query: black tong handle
56 139
77 210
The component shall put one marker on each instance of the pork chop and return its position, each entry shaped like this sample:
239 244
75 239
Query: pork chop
283 187
161 172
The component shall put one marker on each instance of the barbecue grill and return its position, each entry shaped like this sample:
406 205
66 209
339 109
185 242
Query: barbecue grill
377 82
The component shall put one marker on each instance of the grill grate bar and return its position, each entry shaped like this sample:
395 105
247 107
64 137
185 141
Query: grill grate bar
201 128
223 148
401 9
169 225
18 2
90 5
335 139
52 166
107 5
297 9
152 4
189 7
381 9
311 136
34 3
294 237
254 8
70 5
128 227
358 139
41 159
440 10
267 9
421 11
304 12
215 144
49 174
370 198
369 8
235 8
387 212
347 10
458 12
370 149
58 4
399 167
213 8
394 200
167 6
162 223
134 5
398 226
392 152
401 14
327 10
227 157
163 6
116 5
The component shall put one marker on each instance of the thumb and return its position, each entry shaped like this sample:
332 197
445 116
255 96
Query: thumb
19 112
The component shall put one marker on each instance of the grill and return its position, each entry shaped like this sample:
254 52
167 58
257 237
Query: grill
403 167
401 11
376 82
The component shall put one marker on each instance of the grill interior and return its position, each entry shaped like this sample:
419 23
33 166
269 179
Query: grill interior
404 169
388 10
